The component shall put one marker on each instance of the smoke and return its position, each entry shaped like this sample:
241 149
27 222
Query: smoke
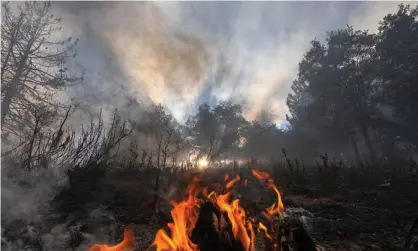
30 223
182 54
25 206
24 193
179 54
140 56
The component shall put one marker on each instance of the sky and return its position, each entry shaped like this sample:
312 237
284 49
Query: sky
181 54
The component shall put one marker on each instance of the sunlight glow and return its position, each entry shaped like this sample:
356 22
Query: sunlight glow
202 163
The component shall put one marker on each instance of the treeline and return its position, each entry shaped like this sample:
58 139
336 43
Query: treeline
356 94
359 88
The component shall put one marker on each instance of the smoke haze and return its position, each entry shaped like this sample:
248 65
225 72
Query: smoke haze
182 54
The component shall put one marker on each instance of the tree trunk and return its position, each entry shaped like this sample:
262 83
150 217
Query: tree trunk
159 152
11 45
368 142
355 148
15 83
10 94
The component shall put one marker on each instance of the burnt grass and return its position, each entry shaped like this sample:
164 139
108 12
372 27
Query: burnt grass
361 208
369 209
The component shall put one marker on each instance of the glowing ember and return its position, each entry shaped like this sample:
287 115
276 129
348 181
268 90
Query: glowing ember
127 244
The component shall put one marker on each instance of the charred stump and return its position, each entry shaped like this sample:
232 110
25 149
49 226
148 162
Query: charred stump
213 231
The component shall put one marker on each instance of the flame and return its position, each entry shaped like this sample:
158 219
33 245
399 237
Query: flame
236 215
128 243
226 177
232 182
276 207
263 228
185 214
259 174
252 235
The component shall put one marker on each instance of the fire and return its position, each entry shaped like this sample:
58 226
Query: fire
276 207
260 175
226 177
236 215
232 182
127 244
263 228
185 214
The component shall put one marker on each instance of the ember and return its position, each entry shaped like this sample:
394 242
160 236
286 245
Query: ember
212 221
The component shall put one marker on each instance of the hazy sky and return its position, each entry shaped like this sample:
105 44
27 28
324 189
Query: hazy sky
181 54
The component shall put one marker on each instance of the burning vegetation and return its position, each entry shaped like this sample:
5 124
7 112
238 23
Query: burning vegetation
214 220
348 175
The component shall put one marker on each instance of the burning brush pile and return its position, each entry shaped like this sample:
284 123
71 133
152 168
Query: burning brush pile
210 218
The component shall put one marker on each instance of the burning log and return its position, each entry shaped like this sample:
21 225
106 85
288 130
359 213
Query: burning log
213 230
215 222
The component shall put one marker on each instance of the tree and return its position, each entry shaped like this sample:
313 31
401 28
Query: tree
300 99
232 125
33 63
203 128
263 140
164 130
339 78
216 131
397 64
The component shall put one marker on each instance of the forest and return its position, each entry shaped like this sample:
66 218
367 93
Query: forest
347 155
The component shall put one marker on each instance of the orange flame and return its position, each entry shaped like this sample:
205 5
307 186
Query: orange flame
252 235
274 208
259 174
263 228
180 229
232 182
185 215
236 215
226 177
128 243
